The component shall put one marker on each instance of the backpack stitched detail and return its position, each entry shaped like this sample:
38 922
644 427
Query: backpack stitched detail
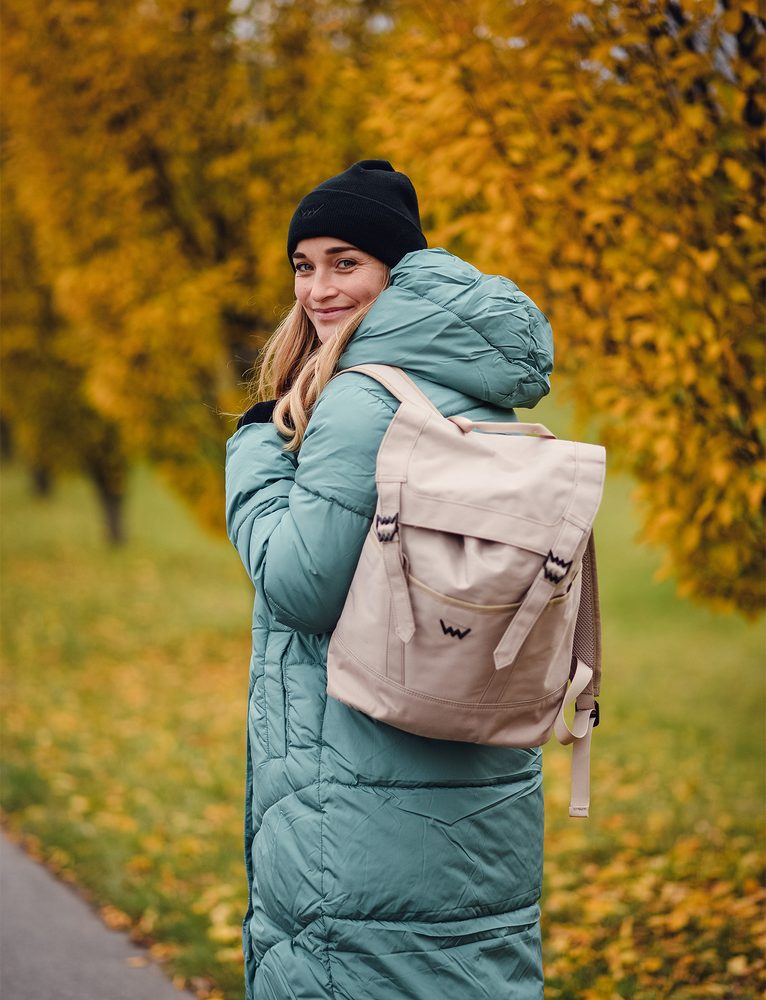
555 569
387 536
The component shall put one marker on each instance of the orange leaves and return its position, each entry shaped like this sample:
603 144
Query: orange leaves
706 259
640 923
737 173
140 240
114 918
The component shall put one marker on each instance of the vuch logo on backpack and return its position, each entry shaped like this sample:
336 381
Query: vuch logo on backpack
456 633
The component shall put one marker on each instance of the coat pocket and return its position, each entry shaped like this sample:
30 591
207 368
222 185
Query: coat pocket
275 694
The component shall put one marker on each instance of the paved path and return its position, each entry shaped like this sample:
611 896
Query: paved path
53 946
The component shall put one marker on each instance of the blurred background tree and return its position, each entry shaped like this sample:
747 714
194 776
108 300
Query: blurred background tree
607 157
55 429
157 151
130 158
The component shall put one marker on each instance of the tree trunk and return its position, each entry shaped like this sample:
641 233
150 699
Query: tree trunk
112 508
110 496
6 440
42 481
107 470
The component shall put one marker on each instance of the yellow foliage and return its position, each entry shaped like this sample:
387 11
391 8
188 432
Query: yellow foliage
158 158
637 220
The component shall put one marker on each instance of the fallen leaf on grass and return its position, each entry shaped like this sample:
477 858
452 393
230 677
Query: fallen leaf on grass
114 918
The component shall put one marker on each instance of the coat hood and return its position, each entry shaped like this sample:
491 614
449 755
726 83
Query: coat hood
447 322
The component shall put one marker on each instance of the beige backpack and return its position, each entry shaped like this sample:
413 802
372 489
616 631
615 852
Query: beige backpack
473 612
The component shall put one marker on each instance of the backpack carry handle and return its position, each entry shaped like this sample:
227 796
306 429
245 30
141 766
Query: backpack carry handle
405 390
509 427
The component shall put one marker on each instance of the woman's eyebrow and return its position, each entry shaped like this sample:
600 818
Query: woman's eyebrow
329 250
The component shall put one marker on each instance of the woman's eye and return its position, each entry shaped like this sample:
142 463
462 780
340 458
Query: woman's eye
301 265
346 260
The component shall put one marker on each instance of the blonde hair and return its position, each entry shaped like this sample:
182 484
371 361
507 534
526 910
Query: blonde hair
295 366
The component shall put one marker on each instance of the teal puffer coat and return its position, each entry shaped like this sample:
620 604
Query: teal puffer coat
381 865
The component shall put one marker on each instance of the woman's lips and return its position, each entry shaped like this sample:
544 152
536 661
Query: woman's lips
330 313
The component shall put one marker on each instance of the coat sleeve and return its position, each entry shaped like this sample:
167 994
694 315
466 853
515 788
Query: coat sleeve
299 524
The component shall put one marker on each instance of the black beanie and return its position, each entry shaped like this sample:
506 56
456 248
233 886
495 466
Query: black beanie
371 205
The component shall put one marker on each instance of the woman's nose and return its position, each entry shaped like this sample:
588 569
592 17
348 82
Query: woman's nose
323 287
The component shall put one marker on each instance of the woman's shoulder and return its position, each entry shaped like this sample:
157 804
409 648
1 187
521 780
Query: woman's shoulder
354 392
349 419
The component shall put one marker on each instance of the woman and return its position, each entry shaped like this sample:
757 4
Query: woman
381 865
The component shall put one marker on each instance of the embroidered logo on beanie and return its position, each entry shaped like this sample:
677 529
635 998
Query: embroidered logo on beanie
306 213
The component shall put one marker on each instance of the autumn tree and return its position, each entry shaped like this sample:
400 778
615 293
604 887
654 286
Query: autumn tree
610 158
55 429
158 152
129 158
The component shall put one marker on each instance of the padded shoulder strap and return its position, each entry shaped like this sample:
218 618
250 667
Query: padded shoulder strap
397 382
587 635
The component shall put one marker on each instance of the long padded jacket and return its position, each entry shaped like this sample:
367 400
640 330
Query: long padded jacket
381 865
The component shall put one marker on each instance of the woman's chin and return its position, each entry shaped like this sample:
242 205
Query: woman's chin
328 328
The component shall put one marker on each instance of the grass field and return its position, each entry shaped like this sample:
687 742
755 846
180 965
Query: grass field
124 686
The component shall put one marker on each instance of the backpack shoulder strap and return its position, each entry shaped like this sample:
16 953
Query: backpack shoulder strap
397 382
587 635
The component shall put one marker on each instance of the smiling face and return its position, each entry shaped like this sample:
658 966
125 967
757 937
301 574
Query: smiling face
333 279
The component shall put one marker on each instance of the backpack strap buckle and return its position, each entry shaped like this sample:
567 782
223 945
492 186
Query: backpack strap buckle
387 528
596 714
586 717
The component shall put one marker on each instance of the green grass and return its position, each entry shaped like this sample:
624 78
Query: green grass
124 689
